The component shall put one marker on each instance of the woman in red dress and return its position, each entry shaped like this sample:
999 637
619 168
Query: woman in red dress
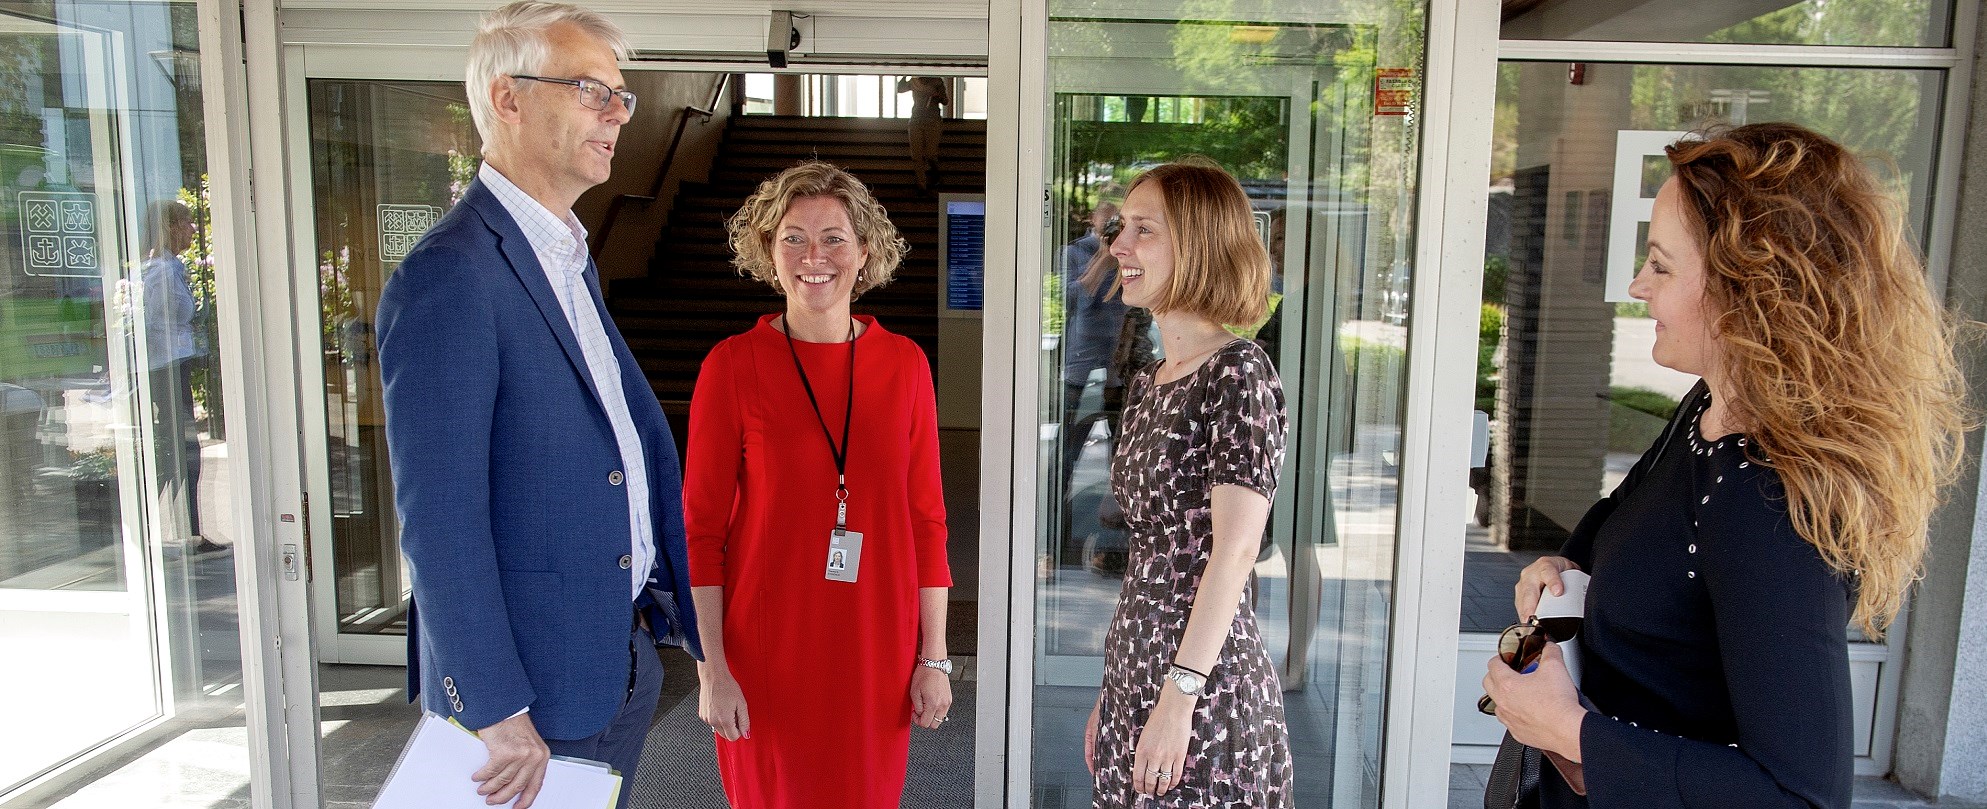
815 515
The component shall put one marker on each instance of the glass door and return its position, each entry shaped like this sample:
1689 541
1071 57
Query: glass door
118 619
1316 118
387 159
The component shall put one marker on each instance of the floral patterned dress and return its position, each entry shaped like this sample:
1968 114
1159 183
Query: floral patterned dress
1222 424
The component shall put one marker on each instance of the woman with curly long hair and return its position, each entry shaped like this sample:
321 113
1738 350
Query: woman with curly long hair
1791 501
815 514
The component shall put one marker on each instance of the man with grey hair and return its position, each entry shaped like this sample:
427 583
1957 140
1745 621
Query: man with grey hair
537 483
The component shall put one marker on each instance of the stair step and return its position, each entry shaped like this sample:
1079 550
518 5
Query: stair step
728 203
832 146
692 298
789 124
872 161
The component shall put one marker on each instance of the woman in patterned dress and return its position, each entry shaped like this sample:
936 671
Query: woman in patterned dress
1191 714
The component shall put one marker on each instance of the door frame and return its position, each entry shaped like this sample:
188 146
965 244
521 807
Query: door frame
243 116
288 239
1455 105
1954 61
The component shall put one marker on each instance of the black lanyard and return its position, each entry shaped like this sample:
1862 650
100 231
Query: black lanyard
841 453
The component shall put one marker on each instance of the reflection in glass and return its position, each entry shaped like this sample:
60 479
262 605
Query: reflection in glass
1568 380
117 588
388 159
1906 23
1290 110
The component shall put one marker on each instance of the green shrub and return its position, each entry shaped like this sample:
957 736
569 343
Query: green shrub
1490 331
1496 269
1644 400
1052 314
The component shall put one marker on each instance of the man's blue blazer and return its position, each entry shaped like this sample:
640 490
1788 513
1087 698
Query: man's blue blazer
509 486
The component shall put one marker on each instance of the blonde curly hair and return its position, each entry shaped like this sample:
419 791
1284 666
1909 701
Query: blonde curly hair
1839 360
751 228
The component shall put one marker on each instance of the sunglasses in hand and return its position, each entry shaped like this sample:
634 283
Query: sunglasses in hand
1520 646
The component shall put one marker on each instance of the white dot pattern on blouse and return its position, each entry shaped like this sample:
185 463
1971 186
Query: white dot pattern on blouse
1704 448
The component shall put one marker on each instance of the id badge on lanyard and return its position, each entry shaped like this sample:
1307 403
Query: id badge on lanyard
844 559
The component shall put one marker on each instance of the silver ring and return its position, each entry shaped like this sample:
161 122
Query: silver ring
1164 774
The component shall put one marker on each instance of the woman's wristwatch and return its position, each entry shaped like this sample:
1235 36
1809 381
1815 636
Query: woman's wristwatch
1189 682
944 665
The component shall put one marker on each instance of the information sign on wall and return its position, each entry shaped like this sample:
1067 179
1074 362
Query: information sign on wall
1393 90
1634 200
963 250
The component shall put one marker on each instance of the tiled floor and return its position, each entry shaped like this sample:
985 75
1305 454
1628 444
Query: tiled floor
1466 782
203 764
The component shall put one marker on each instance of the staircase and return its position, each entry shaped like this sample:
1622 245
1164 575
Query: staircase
692 298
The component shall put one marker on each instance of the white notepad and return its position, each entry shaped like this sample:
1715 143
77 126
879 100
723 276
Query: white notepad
434 769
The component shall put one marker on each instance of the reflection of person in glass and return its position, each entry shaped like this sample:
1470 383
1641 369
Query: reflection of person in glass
533 469
1791 502
928 95
811 421
174 349
1093 314
1191 713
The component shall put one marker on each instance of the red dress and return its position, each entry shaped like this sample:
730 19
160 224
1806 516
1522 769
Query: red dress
825 666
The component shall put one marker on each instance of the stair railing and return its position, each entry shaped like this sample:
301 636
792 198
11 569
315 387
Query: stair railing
704 115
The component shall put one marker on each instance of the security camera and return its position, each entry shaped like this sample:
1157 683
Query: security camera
781 38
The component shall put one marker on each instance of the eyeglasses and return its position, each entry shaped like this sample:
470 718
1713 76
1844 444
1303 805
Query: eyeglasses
593 94
1519 647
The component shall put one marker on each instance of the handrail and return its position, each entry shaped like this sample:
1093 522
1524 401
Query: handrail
662 173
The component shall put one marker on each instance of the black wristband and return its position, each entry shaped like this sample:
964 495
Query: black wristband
1203 675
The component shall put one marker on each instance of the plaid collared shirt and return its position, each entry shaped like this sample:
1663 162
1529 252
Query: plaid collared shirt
560 244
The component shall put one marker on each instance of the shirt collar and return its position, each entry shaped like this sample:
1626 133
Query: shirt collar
536 220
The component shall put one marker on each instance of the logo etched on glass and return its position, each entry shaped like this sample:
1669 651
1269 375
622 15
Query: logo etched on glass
59 234
401 227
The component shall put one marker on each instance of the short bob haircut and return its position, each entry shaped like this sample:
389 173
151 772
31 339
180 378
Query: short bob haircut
752 227
1220 268
512 41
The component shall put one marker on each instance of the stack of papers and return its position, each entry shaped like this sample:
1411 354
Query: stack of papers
434 769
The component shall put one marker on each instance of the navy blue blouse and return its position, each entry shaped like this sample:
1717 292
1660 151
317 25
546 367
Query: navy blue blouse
1715 645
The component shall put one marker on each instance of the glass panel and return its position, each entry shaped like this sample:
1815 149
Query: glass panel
1906 23
1317 119
860 96
1564 368
388 158
117 578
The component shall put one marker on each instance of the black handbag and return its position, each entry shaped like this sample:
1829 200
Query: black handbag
1514 776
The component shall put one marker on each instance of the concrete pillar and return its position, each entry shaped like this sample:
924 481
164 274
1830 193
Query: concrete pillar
1552 402
786 94
1942 702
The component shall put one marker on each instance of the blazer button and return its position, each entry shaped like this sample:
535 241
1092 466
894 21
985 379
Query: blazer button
614 478
627 561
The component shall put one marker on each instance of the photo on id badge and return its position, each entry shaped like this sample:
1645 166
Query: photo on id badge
844 555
